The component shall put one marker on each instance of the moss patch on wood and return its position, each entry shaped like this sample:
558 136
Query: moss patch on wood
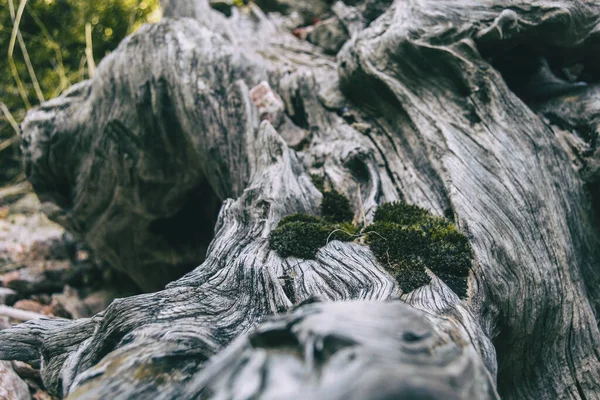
335 207
407 238
318 181
302 235
400 213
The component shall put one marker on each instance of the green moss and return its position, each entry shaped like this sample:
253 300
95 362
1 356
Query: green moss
393 242
318 181
410 274
406 238
335 207
302 235
400 213
348 227
300 217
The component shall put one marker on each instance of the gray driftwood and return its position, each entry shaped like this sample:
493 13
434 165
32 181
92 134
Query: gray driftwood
414 107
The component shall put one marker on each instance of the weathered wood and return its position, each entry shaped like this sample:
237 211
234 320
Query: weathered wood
138 161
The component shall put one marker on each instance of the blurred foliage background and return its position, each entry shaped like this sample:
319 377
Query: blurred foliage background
58 44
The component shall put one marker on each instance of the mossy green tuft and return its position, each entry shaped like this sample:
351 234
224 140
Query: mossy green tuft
400 213
318 181
302 235
335 207
406 239
410 273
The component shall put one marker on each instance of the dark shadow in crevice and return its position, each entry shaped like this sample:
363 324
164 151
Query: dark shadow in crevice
593 188
10 159
190 230
372 9
222 6
273 6
194 222
300 117
537 73
330 345
275 339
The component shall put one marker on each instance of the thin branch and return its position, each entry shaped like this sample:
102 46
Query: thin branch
20 315
89 54
10 118
60 68
20 87
36 85
11 49
17 21
362 208
14 190
8 143
339 230
82 63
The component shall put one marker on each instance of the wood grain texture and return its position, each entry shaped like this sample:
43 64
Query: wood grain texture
138 161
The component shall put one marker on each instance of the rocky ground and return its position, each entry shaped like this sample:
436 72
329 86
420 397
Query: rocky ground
44 273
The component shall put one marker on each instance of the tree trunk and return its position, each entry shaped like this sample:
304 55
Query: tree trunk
197 135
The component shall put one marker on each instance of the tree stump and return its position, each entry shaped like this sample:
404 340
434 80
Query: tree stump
483 112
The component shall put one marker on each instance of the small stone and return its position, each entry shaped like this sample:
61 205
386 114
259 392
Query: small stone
42 298
302 33
98 301
293 135
70 302
38 277
9 277
291 21
330 35
29 305
41 395
330 94
7 296
270 106
4 210
26 371
56 309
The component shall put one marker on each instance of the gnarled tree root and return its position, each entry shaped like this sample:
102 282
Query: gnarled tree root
168 129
